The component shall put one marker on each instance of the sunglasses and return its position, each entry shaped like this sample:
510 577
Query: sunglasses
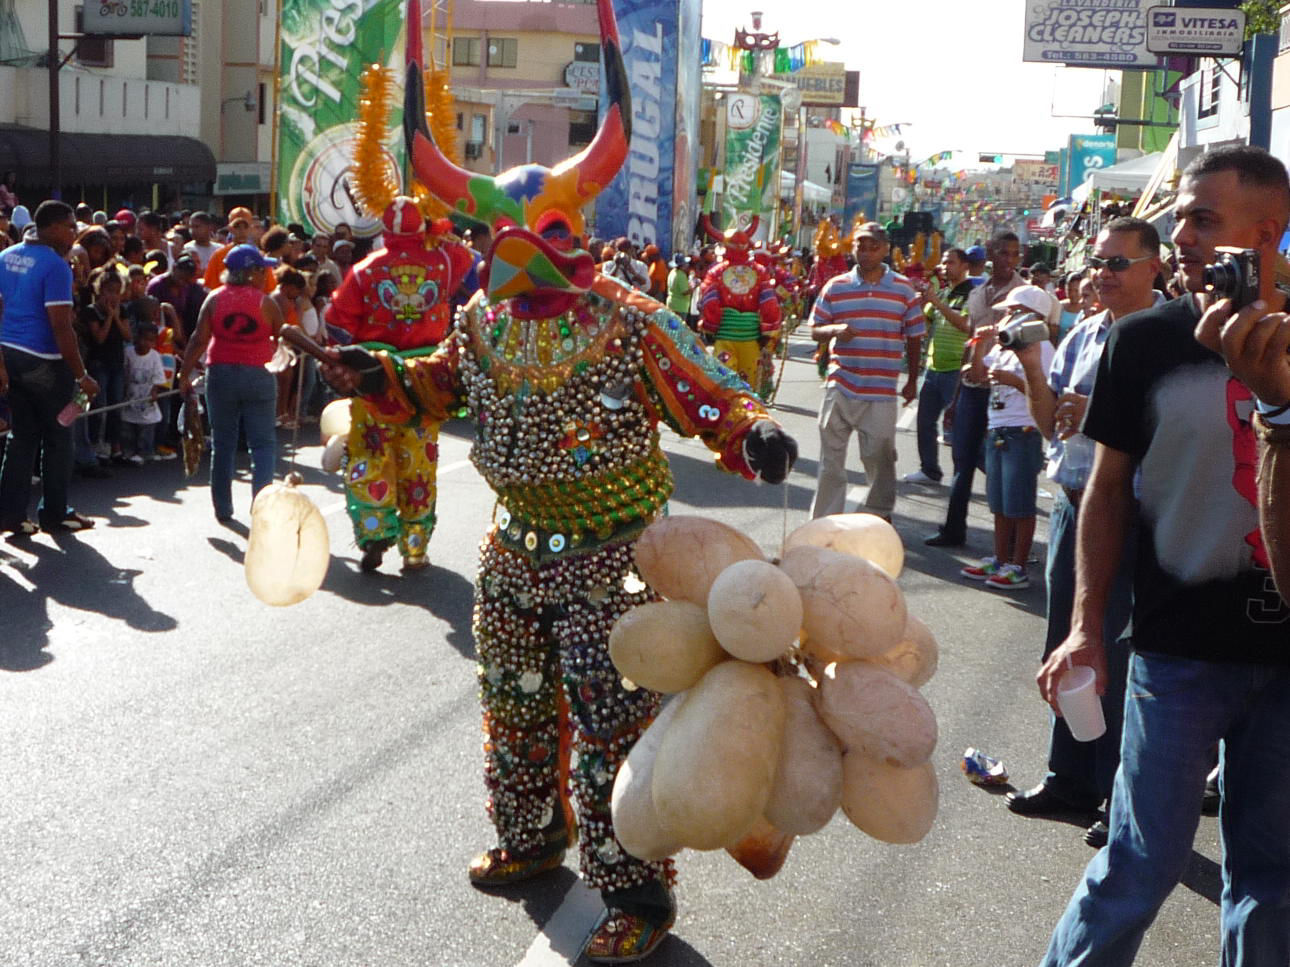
1116 263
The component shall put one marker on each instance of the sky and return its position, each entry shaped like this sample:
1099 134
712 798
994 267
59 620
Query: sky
950 71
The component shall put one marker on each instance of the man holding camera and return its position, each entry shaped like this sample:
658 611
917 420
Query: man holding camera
1123 267
1211 635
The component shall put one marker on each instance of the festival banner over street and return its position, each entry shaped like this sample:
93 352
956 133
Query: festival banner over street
325 46
754 125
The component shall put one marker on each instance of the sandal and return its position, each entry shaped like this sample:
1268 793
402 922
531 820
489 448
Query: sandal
71 523
24 528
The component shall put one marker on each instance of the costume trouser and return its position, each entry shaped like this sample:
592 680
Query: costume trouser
546 681
936 395
1082 772
874 424
38 389
390 485
966 438
741 355
1175 709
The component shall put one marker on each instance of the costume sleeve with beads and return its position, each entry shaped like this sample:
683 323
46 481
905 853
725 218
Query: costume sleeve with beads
688 389
422 387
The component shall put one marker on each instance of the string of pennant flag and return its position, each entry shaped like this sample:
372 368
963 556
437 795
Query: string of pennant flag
780 60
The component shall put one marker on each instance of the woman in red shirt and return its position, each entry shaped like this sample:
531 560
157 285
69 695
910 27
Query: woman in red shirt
241 324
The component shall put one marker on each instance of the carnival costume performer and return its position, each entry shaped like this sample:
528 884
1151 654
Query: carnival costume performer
397 299
566 374
830 260
737 302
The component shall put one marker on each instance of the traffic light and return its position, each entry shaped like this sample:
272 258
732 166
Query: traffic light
1025 213
990 159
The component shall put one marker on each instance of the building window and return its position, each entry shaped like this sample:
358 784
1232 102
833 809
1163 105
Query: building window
1211 80
589 53
259 101
92 51
503 51
582 128
461 121
479 128
465 52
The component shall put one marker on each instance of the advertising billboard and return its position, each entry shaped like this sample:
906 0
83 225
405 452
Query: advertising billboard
1087 153
822 85
159 18
325 46
754 125
1078 33
1196 31
862 192
651 201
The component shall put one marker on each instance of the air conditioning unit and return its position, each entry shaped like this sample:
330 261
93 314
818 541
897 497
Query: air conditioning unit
474 149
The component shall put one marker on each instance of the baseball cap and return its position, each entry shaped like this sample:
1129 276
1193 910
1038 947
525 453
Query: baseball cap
871 230
240 214
341 243
186 262
125 217
243 257
976 253
1030 297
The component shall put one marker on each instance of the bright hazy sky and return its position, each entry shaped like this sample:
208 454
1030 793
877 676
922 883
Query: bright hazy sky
952 70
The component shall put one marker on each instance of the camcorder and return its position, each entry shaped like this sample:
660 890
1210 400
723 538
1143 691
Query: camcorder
1023 331
1234 275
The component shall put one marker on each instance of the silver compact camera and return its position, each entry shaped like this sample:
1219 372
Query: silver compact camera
1023 331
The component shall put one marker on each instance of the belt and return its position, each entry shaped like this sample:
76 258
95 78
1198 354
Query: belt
1073 495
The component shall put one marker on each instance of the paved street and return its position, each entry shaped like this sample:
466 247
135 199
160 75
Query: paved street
192 778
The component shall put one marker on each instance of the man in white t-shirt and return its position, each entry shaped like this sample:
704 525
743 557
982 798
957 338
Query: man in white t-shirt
203 244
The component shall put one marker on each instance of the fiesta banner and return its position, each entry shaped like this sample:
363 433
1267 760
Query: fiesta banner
325 46
754 124
652 199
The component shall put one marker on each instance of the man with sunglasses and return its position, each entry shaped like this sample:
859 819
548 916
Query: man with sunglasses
1123 268
1177 452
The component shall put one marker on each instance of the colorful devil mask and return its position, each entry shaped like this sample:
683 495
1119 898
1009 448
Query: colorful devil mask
535 213
737 242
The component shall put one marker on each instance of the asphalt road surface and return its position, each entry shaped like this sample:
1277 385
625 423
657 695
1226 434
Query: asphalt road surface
190 777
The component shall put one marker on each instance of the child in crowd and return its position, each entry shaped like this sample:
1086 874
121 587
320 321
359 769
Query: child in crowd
145 381
1014 447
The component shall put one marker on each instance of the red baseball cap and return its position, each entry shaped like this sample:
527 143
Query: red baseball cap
125 217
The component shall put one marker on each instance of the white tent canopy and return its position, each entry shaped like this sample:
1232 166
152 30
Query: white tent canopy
1128 176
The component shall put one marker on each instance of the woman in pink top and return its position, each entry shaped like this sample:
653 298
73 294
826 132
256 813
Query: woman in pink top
240 323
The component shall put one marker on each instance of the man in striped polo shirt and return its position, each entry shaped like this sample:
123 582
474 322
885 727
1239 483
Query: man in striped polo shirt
873 316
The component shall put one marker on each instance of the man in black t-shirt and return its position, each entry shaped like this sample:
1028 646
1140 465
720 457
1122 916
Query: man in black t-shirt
1211 635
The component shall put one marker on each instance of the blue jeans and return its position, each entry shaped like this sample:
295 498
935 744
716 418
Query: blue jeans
933 399
38 390
1014 455
1082 772
247 396
106 427
1175 710
970 414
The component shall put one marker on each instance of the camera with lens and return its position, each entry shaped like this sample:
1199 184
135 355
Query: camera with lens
1234 275
1023 331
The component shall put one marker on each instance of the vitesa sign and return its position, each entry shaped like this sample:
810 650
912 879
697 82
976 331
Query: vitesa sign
1196 31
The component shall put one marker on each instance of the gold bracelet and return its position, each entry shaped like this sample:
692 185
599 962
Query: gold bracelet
1270 433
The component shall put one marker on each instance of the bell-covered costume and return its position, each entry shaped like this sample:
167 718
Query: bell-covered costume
397 299
566 375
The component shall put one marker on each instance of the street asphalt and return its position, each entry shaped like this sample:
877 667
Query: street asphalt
190 778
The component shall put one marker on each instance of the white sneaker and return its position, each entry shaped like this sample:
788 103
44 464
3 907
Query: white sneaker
135 460
918 477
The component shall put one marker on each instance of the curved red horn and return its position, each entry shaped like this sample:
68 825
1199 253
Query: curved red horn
706 221
595 166
445 180
753 222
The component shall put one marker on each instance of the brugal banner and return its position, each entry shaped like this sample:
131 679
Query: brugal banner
652 199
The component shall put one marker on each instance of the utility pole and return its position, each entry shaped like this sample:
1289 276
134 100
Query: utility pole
55 161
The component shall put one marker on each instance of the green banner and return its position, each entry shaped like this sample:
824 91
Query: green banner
754 124
326 44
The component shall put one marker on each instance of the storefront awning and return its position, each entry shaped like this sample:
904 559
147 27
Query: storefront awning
106 159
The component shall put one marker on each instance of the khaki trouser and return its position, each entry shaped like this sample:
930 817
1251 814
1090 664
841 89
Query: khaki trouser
874 423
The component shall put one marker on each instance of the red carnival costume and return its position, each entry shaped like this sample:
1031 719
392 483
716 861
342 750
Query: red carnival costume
737 303
566 374
398 299
830 261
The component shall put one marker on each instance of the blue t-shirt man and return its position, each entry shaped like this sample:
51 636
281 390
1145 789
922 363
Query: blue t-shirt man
32 278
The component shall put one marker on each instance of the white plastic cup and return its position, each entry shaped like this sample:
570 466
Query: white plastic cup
1080 704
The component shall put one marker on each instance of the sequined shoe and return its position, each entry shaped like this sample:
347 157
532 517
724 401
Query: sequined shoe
621 938
498 867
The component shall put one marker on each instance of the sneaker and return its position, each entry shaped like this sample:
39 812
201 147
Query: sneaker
161 455
918 477
135 460
1010 577
988 568
163 449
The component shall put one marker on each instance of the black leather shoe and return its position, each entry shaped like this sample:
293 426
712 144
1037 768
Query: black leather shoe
1041 801
1097 834
942 539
